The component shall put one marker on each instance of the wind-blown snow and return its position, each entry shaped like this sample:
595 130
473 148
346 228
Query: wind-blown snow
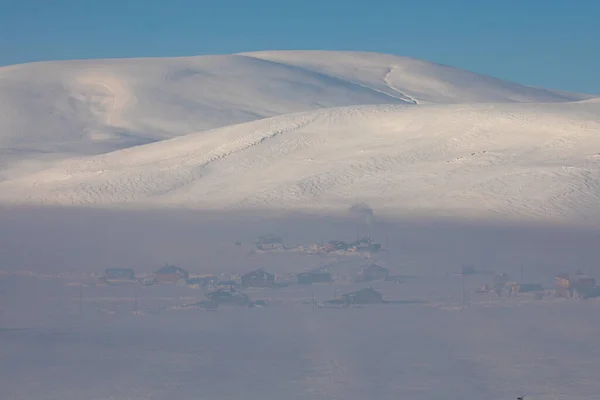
340 127
413 80
192 158
532 160
55 110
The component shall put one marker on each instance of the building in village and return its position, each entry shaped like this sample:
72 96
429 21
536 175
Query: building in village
499 281
171 274
258 278
374 272
593 292
336 245
367 245
516 288
317 276
361 245
363 296
567 285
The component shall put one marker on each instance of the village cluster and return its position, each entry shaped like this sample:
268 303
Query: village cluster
565 285
361 245
229 291
232 289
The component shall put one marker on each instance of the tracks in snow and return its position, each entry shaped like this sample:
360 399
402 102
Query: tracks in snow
403 96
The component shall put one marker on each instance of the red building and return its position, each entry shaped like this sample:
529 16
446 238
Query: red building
171 274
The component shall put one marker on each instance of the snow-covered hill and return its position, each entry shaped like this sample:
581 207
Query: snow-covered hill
295 130
55 110
534 160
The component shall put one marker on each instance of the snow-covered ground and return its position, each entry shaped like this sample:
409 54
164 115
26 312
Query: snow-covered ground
407 135
140 162
429 348
486 160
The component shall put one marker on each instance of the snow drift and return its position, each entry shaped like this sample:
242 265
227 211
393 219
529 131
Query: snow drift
307 130
471 160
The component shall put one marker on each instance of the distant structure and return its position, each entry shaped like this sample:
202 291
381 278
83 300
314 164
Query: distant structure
258 278
374 272
269 242
498 283
228 297
116 275
367 245
361 245
318 276
525 288
171 274
335 245
567 286
363 296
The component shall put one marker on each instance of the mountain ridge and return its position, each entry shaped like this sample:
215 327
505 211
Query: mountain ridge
402 134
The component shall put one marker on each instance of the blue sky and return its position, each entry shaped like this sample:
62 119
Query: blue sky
550 43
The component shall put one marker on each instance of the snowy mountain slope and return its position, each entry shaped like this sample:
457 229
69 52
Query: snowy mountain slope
534 160
414 80
55 110
90 107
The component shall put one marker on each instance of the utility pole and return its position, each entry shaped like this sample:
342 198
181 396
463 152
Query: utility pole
81 299
135 300
462 284
313 299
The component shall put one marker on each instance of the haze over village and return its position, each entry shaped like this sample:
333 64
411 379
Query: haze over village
297 224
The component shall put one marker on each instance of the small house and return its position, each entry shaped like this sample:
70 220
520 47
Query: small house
499 281
335 245
228 297
374 272
119 274
566 285
308 278
258 278
583 283
368 245
171 274
364 296
593 292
